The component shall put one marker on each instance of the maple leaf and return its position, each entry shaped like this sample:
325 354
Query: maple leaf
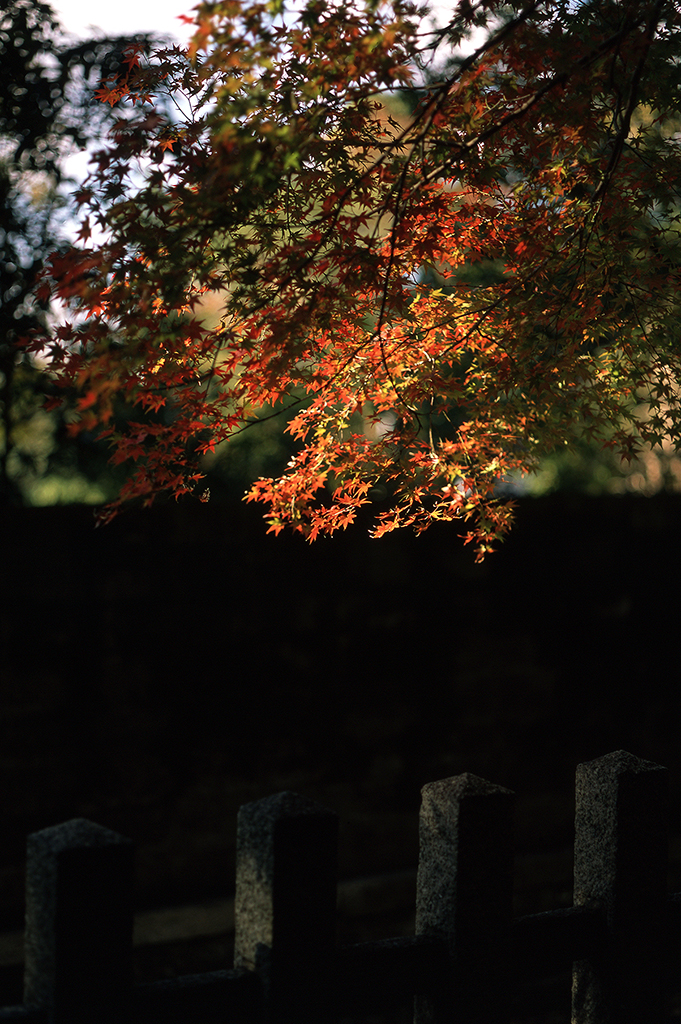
111 94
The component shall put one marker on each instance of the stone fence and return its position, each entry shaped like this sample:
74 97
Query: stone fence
468 960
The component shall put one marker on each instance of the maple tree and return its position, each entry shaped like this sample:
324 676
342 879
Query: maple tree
337 236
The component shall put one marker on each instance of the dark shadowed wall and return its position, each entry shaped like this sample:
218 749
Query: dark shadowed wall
161 671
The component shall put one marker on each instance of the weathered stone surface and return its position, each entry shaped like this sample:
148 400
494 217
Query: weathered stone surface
621 839
285 903
79 919
464 892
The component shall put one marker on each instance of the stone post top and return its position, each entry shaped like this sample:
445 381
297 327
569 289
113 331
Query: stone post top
620 761
285 805
459 786
78 832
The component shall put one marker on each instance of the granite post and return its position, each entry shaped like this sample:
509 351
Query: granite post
621 830
285 905
79 919
464 896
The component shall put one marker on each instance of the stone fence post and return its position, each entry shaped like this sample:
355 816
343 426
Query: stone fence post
464 896
79 918
285 905
621 826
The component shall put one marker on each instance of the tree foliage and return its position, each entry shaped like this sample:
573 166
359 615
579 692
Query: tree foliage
47 114
341 238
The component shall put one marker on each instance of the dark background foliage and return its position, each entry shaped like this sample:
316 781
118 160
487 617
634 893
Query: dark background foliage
161 671
48 114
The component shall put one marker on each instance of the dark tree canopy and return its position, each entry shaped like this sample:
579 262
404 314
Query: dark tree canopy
47 113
